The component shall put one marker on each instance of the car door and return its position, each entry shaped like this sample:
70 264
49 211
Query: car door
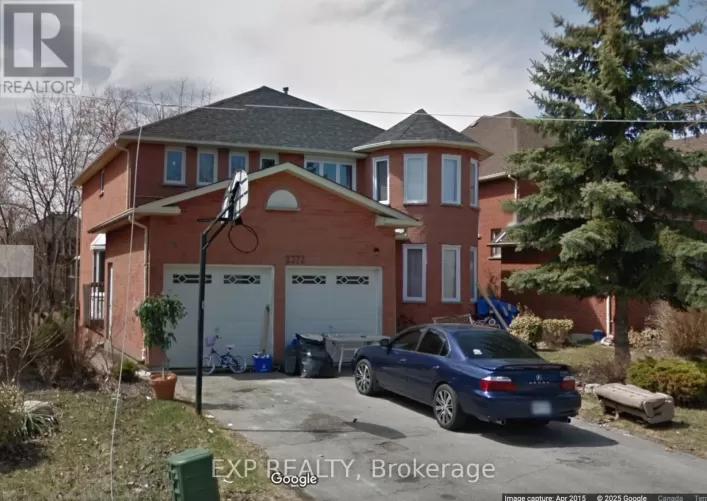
424 363
392 367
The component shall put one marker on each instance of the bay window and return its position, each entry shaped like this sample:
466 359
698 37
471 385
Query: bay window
414 272
451 179
451 268
415 179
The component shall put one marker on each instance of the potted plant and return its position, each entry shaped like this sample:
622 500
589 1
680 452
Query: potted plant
157 315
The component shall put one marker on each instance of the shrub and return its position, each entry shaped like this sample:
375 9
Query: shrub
683 380
602 370
647 338
130 369
12 418
556 331
684 331
527 327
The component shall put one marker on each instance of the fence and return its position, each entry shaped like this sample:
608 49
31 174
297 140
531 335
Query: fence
94 302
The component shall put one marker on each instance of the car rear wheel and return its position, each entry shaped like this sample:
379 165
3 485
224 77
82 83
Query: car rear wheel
447 411
365 378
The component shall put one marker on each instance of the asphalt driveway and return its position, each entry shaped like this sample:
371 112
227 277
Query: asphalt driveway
368 448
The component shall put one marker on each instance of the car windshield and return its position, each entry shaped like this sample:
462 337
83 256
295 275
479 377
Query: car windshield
477 344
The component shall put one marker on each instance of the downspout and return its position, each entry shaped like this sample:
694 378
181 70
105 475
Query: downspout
608 315
146 265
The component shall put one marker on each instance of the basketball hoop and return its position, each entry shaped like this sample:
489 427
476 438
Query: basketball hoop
235 198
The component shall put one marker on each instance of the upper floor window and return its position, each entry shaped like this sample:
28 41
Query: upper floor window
474 191
496 235
339 171
237 161
381 180
103 180
415 179
207 167
174 168
268 160
451 179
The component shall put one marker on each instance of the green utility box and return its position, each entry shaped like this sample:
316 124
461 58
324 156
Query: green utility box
192 476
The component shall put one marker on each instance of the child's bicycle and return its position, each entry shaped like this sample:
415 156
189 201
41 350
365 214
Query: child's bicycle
234 362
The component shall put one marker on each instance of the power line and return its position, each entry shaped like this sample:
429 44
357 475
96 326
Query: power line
186 109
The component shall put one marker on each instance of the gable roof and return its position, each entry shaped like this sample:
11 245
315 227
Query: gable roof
421 128
387 216
257 117
503 134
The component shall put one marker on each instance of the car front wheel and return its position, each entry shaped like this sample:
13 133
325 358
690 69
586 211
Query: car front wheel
447 411
365 378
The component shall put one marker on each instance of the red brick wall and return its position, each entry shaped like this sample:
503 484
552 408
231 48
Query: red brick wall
450 225
491 195
327 231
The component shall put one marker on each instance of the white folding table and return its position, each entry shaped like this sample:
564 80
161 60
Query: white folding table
343 343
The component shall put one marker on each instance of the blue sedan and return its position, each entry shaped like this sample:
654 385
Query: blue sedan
465 370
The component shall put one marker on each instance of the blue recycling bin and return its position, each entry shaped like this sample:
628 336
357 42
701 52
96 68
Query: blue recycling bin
597 334
262 362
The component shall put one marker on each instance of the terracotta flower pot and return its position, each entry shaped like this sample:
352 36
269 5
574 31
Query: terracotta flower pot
163 388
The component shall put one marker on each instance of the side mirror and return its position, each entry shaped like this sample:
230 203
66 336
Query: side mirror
385 343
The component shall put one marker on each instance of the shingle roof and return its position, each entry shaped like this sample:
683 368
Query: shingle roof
419 126
503 134
310 127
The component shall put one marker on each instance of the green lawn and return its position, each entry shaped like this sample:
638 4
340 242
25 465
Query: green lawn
73 463
687 432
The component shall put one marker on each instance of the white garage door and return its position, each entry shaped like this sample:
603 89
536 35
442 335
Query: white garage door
333 300
236 298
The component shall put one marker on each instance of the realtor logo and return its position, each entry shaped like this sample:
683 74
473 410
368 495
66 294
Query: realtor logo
41 47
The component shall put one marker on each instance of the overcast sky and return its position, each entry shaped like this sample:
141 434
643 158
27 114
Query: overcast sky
446 56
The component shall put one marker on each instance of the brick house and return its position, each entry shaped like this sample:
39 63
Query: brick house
505 134
353 226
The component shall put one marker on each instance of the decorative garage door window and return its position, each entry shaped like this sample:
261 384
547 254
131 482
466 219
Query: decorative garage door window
189 279
241 279
352 280
309 279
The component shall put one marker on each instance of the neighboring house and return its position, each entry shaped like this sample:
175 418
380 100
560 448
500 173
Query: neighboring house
353 226
505 134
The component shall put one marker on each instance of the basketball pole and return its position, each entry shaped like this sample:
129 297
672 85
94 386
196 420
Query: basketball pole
204 245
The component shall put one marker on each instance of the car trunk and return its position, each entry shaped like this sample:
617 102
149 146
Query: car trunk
530 376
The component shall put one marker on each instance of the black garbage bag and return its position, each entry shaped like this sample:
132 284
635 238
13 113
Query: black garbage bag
292 360
314 360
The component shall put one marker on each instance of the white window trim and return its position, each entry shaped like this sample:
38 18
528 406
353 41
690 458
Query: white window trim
407 298
268 156
339 162
237 154
103 181
474 182
457 293
374 169
496 254
458 160
183 179
199 152
473 272
412 156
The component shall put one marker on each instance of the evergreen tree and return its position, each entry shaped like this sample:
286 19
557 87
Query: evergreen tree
616 207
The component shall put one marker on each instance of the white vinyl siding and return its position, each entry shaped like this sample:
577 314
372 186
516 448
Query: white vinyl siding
414 272
474 188
415 179
207 167
451 179
381 180
451 273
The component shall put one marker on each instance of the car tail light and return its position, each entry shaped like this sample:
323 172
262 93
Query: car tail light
497 383
568 383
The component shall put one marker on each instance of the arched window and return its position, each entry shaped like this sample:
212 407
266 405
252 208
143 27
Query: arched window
282 200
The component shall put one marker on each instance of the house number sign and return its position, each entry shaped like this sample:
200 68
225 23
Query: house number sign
294 259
